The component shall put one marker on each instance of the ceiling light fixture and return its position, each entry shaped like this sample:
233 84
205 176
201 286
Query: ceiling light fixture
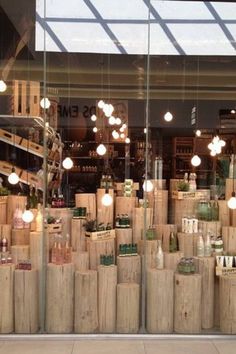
195 161
45 103
3 86
168 116
67 163
13 178
101 149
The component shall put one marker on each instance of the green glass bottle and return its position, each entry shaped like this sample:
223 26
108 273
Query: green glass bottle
173 243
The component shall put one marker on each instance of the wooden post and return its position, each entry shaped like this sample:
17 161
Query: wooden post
151 253
217 302
13 202
171 260
224 213
105 214
229 238
20 237
3 209
188 243
26 301
125 205
88 201
78 238
163 234
80 260
227 304
107 281
20 253
123 236
6 303
158 201
181 208
129 269
206 267
229 187
127 313
60 298
86 306
160 301
138 222
98 248
36 252
187 303
66 215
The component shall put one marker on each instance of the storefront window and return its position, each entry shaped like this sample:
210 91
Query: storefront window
117 192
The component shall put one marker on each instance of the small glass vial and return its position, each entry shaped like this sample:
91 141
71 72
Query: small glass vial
159 257
207 246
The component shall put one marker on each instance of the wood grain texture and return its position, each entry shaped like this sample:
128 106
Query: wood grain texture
88 201
228 304
7 296
98 248
80 260
105 214
129 269
138 222
127 308
78 238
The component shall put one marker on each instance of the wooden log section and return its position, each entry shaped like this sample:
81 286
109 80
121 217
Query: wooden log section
6 303
205 266
107 281
125 205
224 213
217 302
160 301
3 209
60 298
229 238
151 253
158 201
98 248
181 208
13 202
105 214
227 304
20 237
188 243
36 251
129 269
26 302
88 201
187 303
80 260
86 306
78 238
127 313
123 236
20 253
163 234
171 260
138 222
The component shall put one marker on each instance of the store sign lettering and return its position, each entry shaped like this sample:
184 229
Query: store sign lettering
74 110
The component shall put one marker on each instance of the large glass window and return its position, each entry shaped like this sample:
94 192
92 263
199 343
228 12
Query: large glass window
117 191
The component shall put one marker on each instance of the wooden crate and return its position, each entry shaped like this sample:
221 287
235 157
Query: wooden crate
101 235
24 100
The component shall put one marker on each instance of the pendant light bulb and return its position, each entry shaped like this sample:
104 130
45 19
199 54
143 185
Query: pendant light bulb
101 104
95 129
67 163
213 153
27 216
93 118
198 132
195 161
45 103
115 134
232 201
168 117
127 140
118 121
107 199
3 86
145 130
101 149
122 135
147 185
13 178
124 126
112 120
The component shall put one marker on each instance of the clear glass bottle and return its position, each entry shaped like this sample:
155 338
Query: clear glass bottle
173 243
159 257
207 246
192 182
68 250
200 246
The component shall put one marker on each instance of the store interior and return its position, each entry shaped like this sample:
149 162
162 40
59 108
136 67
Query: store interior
111 232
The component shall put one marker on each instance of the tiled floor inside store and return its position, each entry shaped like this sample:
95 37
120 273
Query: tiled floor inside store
226 345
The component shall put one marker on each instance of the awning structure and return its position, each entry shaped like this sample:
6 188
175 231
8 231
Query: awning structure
121 27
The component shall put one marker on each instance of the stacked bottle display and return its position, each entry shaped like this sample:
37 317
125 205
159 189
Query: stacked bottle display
61 251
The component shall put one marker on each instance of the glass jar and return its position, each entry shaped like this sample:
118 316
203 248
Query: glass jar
202 210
